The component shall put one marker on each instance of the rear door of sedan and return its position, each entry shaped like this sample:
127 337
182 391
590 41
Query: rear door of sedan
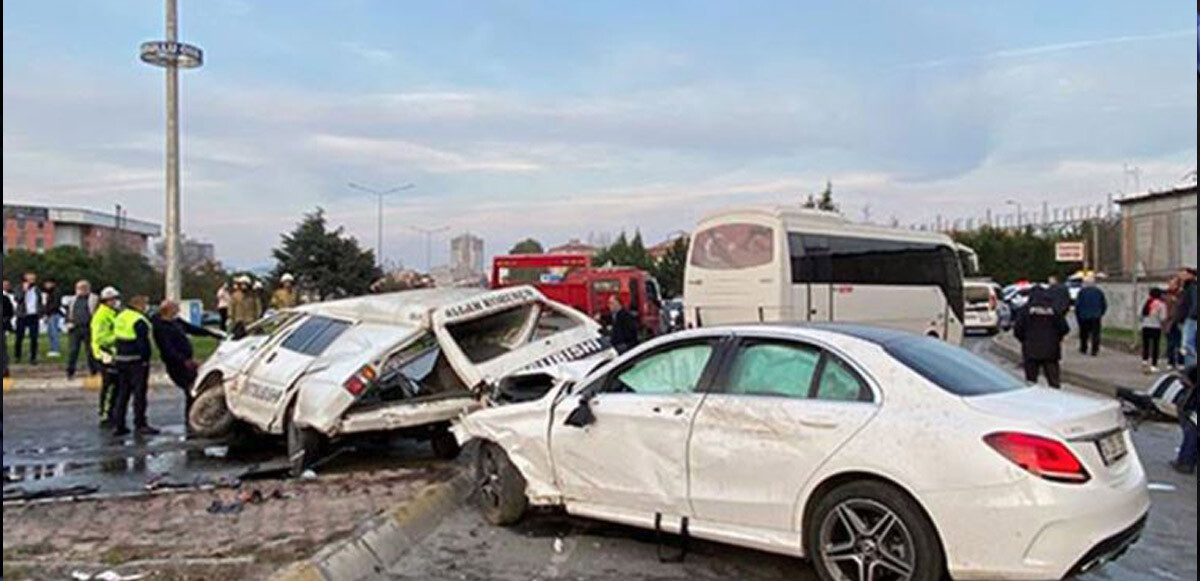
778 409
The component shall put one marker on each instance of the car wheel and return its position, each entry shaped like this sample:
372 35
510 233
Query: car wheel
869 531
304 445
209 416
501 487
445 444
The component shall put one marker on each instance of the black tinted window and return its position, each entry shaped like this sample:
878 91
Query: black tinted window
954 369
315 336
821 259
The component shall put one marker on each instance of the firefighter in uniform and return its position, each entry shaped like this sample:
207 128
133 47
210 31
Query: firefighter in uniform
104 350
133 331
285 296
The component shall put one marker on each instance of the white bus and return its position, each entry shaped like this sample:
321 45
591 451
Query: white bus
762 264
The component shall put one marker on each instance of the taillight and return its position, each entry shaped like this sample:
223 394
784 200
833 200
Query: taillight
358 383
992 302
1039 456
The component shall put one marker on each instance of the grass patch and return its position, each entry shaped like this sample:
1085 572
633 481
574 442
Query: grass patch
203 346
1121 335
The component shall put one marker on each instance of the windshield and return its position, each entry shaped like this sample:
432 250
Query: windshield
951 368
978 294
487 338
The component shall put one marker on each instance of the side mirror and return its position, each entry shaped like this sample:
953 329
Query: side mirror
581 416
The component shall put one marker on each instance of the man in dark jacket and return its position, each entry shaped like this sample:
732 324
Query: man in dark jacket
622 326
1040 328
8 313
1185 463
1090 307
1187 312
175 348
28 302
1061 294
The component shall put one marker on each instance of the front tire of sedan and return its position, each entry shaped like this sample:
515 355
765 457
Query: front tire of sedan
501 487
870 531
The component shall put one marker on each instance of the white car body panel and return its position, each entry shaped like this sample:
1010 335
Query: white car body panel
261 379
995 520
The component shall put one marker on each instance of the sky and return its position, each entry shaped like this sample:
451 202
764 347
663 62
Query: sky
519 118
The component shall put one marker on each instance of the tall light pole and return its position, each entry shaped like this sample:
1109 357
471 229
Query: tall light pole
429 232
380 194
1020 219
172 55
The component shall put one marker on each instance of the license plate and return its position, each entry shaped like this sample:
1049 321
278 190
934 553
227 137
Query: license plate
1113 448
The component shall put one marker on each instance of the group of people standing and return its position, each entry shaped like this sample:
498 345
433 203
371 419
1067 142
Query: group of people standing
26 308
1167 313
242 305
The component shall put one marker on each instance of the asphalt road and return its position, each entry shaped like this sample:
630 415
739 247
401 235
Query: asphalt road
550 545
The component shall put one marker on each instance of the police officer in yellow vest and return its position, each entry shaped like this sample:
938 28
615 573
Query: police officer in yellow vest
104 350
133 332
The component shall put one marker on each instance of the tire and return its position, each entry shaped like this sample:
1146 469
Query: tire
890 535
502 497
304 445
209 416
445 444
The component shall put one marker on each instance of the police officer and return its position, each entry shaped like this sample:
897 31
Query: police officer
104 351
1040 328
132 330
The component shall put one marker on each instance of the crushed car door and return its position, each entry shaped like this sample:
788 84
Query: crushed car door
631 458
282 363
503 332
777 411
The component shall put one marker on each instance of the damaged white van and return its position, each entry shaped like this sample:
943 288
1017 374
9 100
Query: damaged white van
409 361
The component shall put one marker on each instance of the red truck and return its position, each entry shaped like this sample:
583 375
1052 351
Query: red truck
572 280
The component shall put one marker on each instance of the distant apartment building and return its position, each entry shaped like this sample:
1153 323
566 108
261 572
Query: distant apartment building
194 252
466 254
574 246
40 228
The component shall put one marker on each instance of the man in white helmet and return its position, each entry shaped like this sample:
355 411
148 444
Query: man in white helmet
104 350
245 308
285 296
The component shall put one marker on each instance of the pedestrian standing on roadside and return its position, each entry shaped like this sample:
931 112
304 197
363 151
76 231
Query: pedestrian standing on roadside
1060 293
223 301
29 305
1090 307
104 351
1189 323
175 348
1154 316
52 311
6 326
1173 328
133 334
1189 453
622 326
1040 328
79 328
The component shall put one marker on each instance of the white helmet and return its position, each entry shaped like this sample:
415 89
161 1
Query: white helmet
258 285
109 293
287 277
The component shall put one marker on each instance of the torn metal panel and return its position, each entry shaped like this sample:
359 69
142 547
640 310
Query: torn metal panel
406 415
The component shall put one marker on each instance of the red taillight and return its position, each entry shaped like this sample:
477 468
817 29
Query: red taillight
1040 456
992 302
357 384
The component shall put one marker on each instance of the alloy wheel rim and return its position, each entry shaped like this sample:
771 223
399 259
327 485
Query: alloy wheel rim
863 540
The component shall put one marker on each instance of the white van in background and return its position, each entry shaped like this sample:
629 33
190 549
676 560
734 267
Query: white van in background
784 263
982 307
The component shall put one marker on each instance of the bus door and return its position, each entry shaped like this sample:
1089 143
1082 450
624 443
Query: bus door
812 266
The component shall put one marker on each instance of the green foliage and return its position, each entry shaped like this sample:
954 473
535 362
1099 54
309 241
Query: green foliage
622 252
203 281
822 201
670 268
115 266
1008 256
632 253
324 261
527 246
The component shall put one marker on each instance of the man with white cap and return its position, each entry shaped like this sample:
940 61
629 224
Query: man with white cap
104 350
285 296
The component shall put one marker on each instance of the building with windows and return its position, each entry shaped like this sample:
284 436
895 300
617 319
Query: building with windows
574 246
40 228
466 253
195 253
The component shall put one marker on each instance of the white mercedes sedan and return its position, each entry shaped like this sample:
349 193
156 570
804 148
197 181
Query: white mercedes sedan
877 455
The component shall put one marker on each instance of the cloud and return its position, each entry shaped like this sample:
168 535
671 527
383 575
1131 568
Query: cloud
370 151
369 53
1049 49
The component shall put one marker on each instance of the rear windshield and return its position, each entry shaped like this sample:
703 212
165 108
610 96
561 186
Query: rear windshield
315 336
978 294
954 369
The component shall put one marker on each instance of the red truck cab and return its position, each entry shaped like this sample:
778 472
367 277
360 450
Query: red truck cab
571 279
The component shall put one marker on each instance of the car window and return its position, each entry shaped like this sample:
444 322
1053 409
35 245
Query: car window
676 370
774 369
270 325
552 321
315 335
840 383
494 335
954 369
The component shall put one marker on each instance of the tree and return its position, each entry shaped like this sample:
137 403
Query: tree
823 201
1008 256
325 262
527 246
670 268
202 282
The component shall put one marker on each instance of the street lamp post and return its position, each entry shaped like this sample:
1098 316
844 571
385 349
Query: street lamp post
172 55
429 232
380 194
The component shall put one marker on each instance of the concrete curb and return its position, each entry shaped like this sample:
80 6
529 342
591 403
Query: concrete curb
1097 384
380 543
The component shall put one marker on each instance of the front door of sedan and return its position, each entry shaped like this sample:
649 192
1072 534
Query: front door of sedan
631 458
776 413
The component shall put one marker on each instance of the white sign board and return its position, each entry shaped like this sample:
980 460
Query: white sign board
1069 252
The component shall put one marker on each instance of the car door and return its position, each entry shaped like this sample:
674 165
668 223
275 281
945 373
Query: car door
282 363
631 459
777 410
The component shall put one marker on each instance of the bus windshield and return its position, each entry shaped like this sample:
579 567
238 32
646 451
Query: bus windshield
733 247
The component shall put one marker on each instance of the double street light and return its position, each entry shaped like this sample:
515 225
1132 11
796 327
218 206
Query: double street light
380 193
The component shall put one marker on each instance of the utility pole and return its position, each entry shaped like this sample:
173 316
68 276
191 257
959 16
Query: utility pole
380 194
172 55
429 232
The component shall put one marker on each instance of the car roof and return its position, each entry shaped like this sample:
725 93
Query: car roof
409 308
876 335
